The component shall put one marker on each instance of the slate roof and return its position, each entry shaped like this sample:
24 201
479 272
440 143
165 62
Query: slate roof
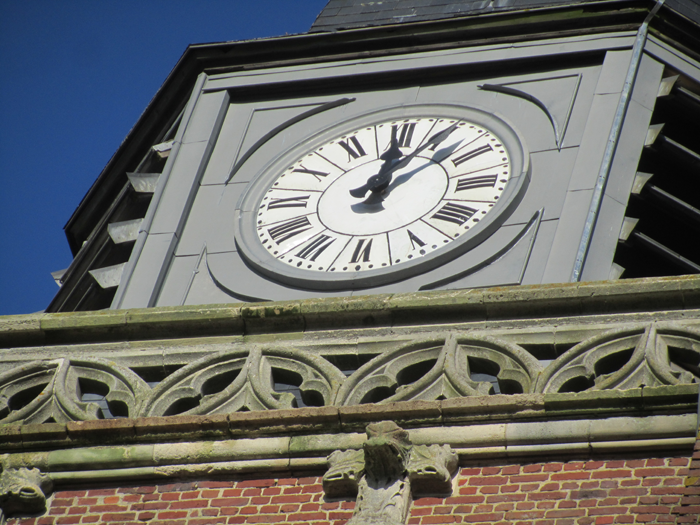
352 14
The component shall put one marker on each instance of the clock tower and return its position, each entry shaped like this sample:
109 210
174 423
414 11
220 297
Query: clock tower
430 262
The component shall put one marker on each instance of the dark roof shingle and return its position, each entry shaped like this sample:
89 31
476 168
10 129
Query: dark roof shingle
353 14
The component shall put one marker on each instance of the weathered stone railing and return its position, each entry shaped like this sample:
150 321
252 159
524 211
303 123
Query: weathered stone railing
265 377
525 340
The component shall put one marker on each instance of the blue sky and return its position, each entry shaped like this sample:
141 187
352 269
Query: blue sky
74 77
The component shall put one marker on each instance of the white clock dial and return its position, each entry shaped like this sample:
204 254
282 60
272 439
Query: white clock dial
378 198
309 220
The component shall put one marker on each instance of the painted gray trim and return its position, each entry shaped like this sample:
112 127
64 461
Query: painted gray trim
678 60
431 59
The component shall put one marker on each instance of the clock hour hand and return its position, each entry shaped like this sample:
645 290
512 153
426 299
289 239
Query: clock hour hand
379 182
382 179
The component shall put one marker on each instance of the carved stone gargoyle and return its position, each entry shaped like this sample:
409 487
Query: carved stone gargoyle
23 490
386 473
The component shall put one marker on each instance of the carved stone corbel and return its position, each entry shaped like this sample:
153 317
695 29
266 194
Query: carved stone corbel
387 473
23 490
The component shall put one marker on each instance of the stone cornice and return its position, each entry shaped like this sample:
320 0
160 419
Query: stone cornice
504 303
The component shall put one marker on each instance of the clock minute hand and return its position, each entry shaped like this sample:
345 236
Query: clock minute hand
380 181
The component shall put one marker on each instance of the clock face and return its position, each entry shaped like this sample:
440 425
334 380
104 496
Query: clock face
377 202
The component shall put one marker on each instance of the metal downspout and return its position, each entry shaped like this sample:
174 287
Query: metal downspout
611 145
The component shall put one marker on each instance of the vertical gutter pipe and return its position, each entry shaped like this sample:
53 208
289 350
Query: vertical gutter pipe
611 146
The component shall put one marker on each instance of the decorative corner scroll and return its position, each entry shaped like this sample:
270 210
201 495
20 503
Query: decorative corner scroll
24 491
386 473
559 130
255 147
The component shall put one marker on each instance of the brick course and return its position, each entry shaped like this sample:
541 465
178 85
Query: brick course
634 491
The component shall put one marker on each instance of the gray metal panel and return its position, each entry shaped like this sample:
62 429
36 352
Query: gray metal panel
557 94
206 118
203 290
211 220
147 276
551 174
648 79
526 116
496 248
178 192
594 140
506 270
567 237
579 113
604 240
180 273
190 163
234 275
612 76
556 91
540 252
244 125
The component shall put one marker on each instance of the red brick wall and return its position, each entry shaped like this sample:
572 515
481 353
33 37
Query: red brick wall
570 493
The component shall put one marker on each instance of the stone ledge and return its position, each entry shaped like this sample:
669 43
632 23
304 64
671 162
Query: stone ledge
424 308
539 409
666 434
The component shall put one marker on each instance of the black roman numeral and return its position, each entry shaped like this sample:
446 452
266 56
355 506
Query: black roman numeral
288 202
404 134
286 230
453 212
315 248
362 251
472 183
315 173
353 152
415 240
471 154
